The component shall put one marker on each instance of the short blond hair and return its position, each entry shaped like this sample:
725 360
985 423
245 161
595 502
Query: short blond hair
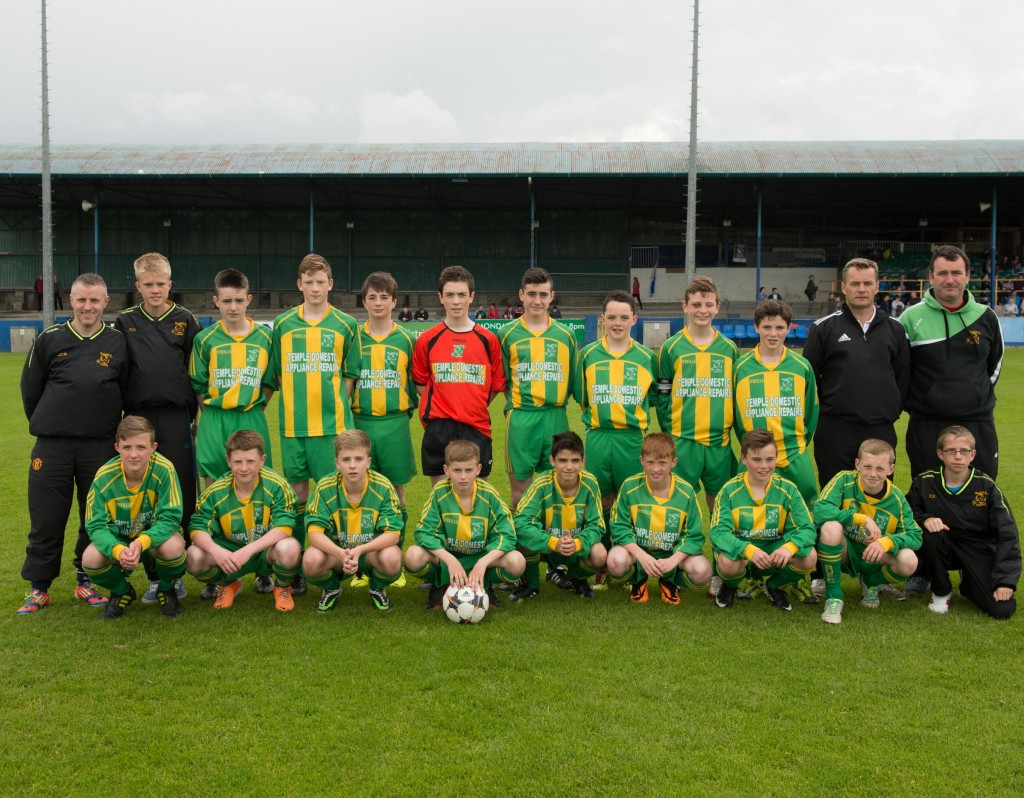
876 446
461 451
351 439
131 426
152 263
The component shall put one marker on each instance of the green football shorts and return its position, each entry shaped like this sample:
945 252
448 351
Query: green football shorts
699 464
308 458
391 452
215 427
613 456
528 436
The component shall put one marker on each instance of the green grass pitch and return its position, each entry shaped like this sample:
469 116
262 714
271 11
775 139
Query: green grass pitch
557 697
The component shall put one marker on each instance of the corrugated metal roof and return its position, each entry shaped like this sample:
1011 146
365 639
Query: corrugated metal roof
582 159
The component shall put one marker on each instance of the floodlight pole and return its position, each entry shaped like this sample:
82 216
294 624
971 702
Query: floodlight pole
691 175
993 266
47 221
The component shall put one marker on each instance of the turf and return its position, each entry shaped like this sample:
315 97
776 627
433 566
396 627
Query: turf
556 697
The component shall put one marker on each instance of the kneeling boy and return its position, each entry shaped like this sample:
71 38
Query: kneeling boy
657 527
134 510
353 523
761 526
866 529
968 526
560 521
465 524
244 524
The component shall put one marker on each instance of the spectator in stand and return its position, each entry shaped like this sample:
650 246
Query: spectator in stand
896 306
811 291
1017 299
775 294
421 314
882 302
58 293
405 314
1017 266
480 313
913 299
761 295
493 312
518 311
39 294
508 314
554 312
636 293
1010 308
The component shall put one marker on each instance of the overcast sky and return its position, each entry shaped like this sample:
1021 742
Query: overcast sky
232 72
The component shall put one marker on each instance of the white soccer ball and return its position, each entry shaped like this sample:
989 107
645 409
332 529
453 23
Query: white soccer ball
465 605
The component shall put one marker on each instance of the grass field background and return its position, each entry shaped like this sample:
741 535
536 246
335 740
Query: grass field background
556 697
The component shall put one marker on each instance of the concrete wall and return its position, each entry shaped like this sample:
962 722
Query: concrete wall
738 284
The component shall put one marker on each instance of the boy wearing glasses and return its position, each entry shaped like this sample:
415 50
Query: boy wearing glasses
968 527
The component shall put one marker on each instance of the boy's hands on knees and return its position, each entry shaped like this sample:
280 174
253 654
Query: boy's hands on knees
935 525
651 565
457 574
131 555
350 561
476 577
228 561
567 545
762 560
873 552
1002 593
781 556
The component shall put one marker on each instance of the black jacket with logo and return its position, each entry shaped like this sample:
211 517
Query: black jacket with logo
862 377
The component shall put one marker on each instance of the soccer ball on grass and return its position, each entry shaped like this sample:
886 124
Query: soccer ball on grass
464 604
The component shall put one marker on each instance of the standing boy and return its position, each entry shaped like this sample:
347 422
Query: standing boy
616 383
71 388
384 396
559 521
160 334
314 361
657 527
866 529
539 356
775 391
229 361
134 511
243 525
457 369
465 525
968 527
695 392
354 524
761 527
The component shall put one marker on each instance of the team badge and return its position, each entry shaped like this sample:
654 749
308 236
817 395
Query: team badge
551 350
980 498
37 463
327 340
786 383
457 350
717 366
974 337
630 374
178 329
104 359
476 527
671 521
391 358
771 517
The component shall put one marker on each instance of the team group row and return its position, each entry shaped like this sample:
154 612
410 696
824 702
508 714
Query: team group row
334 375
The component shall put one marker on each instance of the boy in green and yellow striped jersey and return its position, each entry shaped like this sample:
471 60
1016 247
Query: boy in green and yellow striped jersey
354 524
229 362
465 524
243 525
134 510
774 389
384 396
539 356
695 392
559 521
314 362
761 527
866 529
616 385
657 527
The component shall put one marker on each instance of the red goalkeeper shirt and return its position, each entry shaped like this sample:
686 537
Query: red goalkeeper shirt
461 371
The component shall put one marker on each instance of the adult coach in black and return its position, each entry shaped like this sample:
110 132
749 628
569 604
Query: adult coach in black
956 353
72 387
861 361
159 335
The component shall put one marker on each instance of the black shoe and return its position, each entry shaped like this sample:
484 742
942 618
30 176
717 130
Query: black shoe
264 585
726 596
298 586
779 598
582 588
522 593
559 577
510 587
117 604
209 593
436 597
493 598
169 604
